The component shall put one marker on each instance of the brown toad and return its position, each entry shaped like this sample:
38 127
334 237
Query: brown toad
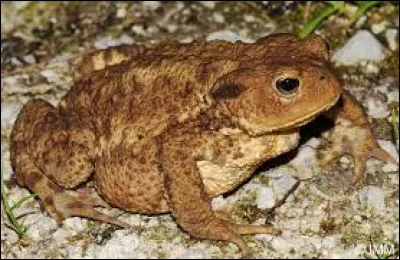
166 128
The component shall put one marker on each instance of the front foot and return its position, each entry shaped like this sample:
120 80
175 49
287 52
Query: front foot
64 204
356 141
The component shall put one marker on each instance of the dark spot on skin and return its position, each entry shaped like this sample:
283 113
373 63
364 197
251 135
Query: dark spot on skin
76 205
227 91
32 179
48 200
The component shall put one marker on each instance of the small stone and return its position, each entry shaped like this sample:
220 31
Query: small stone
219 18
283 184
282 245
248 18
360 22
363 46
373 197
377 28
228 35
389 147
208 4
344 160
392 38
265 198
39 226
305 162
391 167
9 235
218 202
75 224
195 253
352 253
9 112
331 242
123 244
152 5
377 108
30 59
121 13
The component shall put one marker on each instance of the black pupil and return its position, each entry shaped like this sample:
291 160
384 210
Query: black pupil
287 85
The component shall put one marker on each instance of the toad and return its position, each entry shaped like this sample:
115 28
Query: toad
166 128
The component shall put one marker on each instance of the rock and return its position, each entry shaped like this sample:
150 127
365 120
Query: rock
75 224
351 253
377 108
152 5
377 28
282 180
39 226
218 202
195 253
9 112
109 41
228 35
9 235
219 18
331 242
392 39
121 245
265 198
208 4
391 167
389 147
372 197
282 245
305 160
363 46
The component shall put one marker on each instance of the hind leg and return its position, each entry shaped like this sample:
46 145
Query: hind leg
48 153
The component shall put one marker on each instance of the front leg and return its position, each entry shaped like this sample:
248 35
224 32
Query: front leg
353 135
187 197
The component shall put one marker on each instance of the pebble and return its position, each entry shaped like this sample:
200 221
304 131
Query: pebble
331 242
9 112
109 41
121 245
373 197
39 226
392 38
75 224
195 253
377 108
390 167
282 245
377 28
228 35
219 18
363 46
389 147
265 198
305 162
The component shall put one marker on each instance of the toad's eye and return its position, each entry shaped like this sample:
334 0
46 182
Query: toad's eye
287 86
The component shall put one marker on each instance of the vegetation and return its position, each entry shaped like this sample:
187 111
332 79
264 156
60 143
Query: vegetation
340 7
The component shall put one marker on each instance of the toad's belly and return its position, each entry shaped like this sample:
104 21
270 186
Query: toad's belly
239 162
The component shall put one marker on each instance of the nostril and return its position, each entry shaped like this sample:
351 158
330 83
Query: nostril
322 78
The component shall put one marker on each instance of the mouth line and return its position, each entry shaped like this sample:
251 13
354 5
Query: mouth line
306 119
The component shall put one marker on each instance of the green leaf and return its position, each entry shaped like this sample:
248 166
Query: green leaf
21 201
17 226
310 26
337 4
363 6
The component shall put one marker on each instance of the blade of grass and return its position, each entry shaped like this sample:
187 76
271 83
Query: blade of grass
395 123
363 6
309 27
20 229
21 201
